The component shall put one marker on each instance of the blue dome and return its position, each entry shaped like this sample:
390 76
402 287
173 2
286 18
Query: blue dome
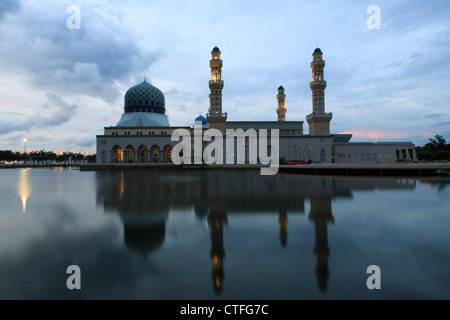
202 119
281 87
215 49
317 50
144 95
204 122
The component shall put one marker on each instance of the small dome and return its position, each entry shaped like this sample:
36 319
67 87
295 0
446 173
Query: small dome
203 121
317 50
281 88
144 95
215 49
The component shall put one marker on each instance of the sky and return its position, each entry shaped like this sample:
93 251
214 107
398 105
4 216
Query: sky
60 86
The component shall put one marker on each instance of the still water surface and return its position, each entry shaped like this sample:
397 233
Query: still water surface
221 235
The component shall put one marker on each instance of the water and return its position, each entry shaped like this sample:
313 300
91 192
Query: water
221 235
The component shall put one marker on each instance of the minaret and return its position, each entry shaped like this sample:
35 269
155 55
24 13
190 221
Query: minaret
215 117
281 110
318 120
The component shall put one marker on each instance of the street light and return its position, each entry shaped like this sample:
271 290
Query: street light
24 145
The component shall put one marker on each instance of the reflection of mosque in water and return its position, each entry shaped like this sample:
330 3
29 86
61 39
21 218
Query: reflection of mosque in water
143 200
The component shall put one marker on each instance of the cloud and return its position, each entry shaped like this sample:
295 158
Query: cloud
11 113
442 124
434 115
53 113
8 6
88 141
90 61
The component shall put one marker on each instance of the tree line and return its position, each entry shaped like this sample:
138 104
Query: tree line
44 157
436 149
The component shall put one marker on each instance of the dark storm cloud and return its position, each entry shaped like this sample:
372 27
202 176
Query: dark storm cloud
54 113
37 43
7 6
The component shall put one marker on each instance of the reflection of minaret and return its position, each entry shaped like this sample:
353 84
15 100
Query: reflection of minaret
321 214
216 219
283 224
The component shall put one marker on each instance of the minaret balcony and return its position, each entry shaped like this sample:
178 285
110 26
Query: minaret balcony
217 115
216 63
216 84
317 85
316 115
319 63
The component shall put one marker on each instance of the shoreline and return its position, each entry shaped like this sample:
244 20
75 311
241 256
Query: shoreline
397 169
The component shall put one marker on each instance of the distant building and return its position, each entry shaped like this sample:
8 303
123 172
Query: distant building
143 133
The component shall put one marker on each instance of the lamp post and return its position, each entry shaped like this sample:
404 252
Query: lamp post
24 150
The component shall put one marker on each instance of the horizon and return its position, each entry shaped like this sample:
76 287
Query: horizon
61 87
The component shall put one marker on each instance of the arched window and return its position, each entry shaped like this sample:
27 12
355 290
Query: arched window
168 154
309 153
295 153
155 153
323 155
129 153
142 154
117 154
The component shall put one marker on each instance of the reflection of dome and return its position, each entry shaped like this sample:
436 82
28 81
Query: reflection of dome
203 121
201 211
145 238
145 106
144 232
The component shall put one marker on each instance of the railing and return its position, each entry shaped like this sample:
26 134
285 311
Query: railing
223 115
324 83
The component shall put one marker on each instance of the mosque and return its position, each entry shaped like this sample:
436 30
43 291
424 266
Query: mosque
143 133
